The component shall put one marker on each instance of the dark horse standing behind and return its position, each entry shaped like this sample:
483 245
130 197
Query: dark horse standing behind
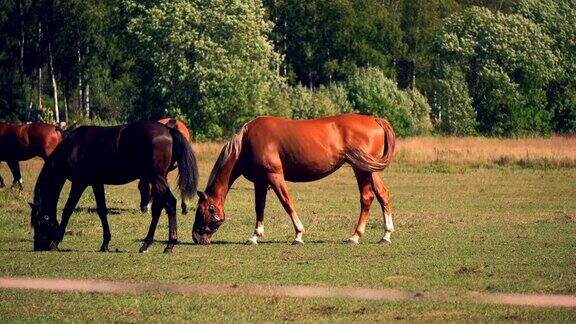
270 151
23 142
95 156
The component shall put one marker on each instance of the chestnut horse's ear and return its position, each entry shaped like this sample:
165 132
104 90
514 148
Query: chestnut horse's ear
202 195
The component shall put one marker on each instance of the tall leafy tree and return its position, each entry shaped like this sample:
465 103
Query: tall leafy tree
507 61
212 61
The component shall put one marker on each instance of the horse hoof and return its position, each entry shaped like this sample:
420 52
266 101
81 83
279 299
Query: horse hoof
104 249
297 242
168 250
384 241
251 242
53 247
351 241
144 210
184 211
144 248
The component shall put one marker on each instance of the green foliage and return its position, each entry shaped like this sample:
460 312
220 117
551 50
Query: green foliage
456 115
300 102
211 59
508 63
371 92
556 18
419 111
307 104
325 41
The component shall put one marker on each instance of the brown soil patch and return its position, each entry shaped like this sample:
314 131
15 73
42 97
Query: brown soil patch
93 286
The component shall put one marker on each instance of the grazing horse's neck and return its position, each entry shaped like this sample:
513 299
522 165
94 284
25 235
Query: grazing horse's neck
48 188
225 171
223 180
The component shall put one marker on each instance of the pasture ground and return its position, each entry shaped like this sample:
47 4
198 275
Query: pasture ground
461 226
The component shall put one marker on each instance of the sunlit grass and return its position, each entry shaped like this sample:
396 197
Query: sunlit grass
459 227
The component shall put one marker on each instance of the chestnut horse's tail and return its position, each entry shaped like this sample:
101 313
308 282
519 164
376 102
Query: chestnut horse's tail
187 166
367 162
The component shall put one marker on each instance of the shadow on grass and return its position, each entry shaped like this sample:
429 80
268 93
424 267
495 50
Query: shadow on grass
239 242
111 211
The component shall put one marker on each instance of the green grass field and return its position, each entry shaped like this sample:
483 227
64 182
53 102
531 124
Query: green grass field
458 229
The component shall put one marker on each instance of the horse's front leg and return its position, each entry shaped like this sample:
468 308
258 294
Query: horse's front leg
281 189
102 210
260 191
15 168
75 193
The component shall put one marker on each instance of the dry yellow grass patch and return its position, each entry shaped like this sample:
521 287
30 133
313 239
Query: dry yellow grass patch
554 151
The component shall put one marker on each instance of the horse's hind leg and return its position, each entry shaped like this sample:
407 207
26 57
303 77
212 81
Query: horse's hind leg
364 180
184 207
103 214
383 197
15 168
260 191
75 193
281 189
144 188
159 190
170 204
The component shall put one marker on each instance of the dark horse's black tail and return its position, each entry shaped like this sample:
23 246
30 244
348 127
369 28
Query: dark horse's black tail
187 167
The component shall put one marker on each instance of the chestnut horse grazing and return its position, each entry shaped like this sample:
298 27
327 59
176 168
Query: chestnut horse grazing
270 151
23 142
144 187
95 156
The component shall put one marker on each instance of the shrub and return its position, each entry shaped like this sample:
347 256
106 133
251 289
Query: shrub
371 92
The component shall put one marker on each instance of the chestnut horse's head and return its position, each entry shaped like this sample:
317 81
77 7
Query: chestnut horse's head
45 228
209 217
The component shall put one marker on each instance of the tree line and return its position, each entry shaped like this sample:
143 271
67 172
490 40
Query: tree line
491 67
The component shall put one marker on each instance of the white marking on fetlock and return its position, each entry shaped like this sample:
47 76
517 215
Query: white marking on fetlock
386 237
298 241
388 224
253 240
259 231
299 237
354 239
21 181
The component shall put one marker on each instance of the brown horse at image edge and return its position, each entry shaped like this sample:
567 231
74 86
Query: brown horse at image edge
269 151
23 142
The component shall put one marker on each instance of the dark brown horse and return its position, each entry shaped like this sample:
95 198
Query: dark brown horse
144 187
95 156
23 142
270 151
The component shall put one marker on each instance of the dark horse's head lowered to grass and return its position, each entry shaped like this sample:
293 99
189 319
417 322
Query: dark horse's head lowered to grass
25 141
95 156
270 151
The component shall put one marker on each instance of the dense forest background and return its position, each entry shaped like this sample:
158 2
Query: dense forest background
493 67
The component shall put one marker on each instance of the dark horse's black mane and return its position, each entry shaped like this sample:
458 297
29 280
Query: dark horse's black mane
95 156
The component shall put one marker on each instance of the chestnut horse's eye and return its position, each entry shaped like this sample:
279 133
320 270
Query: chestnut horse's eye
211 209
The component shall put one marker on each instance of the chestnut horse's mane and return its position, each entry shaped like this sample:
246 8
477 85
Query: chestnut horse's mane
234 145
